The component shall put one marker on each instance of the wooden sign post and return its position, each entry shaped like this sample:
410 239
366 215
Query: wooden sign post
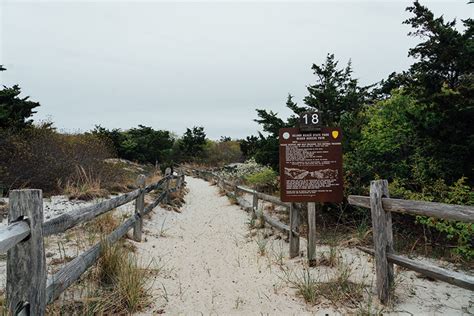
311 168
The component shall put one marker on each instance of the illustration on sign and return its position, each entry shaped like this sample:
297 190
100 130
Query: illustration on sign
311 165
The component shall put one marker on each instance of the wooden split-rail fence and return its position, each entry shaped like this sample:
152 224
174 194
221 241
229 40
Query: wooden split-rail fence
381 207
28 288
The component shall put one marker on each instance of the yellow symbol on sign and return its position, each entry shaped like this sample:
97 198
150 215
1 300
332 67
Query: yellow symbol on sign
335 134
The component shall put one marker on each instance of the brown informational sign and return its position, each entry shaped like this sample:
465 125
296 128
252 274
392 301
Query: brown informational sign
311 165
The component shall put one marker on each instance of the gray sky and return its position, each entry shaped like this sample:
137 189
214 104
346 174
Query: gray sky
173 65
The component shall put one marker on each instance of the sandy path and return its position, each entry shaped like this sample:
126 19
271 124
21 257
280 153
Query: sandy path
208 264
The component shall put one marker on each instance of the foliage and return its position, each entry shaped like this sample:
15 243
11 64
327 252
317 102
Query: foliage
237 173
439 191
192 143
222 152
387 146
249 146
142 144
264 180
15 111
442 81
336 95
40 157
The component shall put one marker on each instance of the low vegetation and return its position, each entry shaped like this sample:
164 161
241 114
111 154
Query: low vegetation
117 284
84 185
40 157
123 281
263 181
339 290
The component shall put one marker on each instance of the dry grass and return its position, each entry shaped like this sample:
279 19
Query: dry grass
109 265
117 285
83 185
3 209
260 222
175 200
340 291
129 292
103 225
123 282
3 307
153 178
262 245
330 258
232 199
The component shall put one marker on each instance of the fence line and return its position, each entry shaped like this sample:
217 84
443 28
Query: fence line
381 206
28 289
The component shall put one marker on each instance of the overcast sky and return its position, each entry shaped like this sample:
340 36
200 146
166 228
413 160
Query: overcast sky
174 65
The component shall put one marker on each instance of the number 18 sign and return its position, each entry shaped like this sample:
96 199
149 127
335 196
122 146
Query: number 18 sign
310 122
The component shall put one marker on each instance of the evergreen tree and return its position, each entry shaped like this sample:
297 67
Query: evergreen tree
192 143
336 95
15 111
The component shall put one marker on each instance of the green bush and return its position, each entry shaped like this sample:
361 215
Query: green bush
458 193
265 180
218 153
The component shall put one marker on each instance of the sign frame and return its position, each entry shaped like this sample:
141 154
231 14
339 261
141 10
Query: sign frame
311 165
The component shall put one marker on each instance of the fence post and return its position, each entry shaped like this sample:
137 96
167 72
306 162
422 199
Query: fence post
383 239
167 184
294 227
26 262
311 234
139 205
254 205
179 182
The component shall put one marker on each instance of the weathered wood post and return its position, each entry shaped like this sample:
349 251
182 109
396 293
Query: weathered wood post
179 182
26 262
254 204
167 184
311 245
294 227
383 239
139 206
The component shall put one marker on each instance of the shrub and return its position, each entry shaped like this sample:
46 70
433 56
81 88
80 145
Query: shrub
265 180
41 158
439 191
221 153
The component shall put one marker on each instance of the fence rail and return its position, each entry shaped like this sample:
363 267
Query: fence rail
28 288
381 206
460 213
13 234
